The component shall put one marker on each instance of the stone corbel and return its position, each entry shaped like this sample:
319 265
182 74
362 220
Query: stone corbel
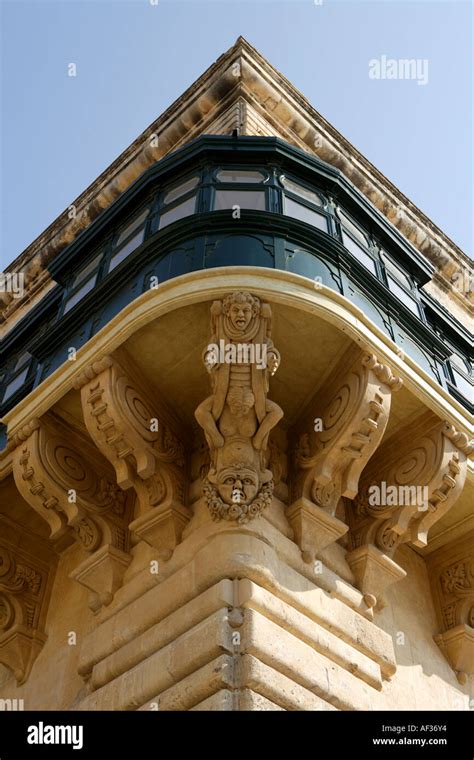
410 483
59 475
451 571
346 426
26 574
145 453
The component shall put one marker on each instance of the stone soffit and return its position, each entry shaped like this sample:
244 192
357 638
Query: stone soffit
242 90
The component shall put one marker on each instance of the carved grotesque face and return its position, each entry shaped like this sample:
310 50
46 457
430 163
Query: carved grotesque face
240 315
237 486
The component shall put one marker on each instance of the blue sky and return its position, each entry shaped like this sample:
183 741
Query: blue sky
133 59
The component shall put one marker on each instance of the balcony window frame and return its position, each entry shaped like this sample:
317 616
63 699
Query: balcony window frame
466 372
113 248
319 209
237 187
14 371
95 274
370 249
412 291
161 207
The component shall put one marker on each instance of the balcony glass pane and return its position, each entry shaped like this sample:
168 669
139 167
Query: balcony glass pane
252 199
127 249
353 228
83 274
404 297
305 214
466 388
359 253
397 273
76 297
238 175
293 187
24 357
178 212
184 187
16 383
131 227
458 361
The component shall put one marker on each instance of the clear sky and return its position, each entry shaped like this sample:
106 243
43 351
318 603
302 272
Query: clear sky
133 59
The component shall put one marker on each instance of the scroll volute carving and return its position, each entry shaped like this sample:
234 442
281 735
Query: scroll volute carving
451 572
59 474
412 481
352 409
344 427
119 418
142 447
26 574
238 416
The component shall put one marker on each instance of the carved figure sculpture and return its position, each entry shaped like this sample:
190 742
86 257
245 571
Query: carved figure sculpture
238 417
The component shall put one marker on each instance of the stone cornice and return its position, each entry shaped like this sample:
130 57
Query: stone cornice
243 75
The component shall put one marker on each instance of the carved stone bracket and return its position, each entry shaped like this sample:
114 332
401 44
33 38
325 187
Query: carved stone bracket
144 451
25 576
347 422
451 571
313 527
410 483
60 477
238 417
